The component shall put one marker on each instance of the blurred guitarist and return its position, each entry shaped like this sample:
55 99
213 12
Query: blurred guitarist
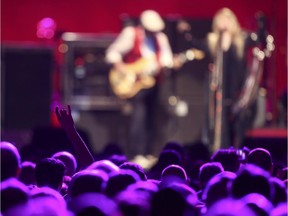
139 54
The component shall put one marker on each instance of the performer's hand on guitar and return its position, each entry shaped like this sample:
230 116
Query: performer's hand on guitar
189 55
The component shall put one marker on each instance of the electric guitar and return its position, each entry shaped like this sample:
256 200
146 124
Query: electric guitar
137 76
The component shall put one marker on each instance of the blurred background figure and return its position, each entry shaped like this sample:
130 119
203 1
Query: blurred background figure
138 56
233 81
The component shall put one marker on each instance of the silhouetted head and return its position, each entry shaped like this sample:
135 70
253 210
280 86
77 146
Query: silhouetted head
207 171
119 181
251 179
13 193
69 160
262 158
258 203
27 175
185 190
105 165
168 201
228 207
136 168
112 148
87 181
168 157
218 187
133 203
176 146
10 161
93 204
228 158
175 172
49 195
117 159
147 187
50 172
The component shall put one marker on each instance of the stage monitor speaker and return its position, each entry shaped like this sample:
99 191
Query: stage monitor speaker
84 77
25 86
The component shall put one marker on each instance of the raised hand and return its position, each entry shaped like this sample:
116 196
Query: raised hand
65 118
66 121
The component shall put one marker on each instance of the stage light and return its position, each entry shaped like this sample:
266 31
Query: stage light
46 28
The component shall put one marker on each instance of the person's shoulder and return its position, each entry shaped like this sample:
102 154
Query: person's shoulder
161 36
129 28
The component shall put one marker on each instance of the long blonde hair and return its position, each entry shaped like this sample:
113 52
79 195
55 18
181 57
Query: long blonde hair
234 29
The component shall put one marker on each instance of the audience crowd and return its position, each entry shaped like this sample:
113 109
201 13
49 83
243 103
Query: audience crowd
230 182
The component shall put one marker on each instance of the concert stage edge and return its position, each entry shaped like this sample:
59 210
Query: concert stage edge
272 139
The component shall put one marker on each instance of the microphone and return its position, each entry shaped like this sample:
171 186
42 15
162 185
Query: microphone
262 28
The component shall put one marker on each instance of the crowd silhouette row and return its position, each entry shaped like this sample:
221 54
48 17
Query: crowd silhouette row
229 182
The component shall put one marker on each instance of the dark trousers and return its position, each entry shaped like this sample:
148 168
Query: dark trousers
142 130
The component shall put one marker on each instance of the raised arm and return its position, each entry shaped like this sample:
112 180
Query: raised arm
66 121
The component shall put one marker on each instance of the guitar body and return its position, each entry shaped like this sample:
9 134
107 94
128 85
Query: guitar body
127 84
137 76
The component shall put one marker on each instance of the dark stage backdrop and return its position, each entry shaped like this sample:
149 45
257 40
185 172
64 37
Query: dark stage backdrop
26 77
19 20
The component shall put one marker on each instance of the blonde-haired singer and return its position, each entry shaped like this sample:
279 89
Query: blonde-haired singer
228 46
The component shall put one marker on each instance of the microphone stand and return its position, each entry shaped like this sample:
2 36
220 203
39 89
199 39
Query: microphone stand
217 94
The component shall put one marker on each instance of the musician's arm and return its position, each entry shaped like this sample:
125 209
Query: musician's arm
66 121
166 57
122 45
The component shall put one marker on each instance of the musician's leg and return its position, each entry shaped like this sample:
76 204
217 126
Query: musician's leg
151 118
137 133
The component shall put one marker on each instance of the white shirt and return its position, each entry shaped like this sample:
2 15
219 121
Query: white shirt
124 43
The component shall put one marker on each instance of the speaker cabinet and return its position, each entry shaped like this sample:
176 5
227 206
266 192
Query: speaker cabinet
25 86
85 82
